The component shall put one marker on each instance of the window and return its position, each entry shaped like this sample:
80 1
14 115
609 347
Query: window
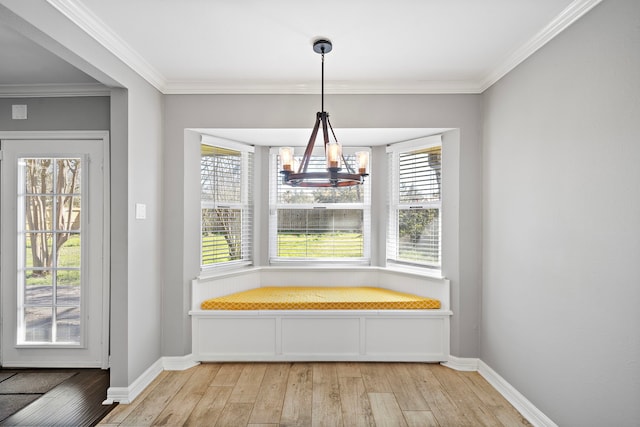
226 204
415 202
50 236
318 224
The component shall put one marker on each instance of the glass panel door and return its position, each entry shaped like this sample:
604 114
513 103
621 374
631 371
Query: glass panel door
54 271
50 242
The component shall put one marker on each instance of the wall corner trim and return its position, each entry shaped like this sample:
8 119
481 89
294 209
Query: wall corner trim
462 363
513 396
178 363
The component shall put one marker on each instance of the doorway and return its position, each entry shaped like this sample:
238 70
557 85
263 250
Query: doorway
54 265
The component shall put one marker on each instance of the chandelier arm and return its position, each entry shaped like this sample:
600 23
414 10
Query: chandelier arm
309 150
325 132
344 161
331 127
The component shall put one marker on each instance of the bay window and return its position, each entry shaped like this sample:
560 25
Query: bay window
318 224
415 202
226 204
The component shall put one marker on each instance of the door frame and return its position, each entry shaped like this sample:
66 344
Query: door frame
106 231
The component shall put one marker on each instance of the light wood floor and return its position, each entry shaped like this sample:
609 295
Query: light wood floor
317 394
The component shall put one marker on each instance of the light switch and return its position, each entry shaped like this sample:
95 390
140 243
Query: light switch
141 211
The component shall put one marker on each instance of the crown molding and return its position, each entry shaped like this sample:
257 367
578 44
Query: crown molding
96 28
224 87
92 25
53 90
572 13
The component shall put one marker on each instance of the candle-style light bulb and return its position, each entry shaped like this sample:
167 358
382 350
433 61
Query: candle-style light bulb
286 158
334 154
362 160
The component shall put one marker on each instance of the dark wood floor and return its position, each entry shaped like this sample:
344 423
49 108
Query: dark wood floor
75 402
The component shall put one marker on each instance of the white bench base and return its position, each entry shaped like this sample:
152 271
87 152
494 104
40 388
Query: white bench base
319 335
305 335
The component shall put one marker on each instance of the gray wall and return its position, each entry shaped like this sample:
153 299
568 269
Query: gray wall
136 172
47 114
462 260
561 196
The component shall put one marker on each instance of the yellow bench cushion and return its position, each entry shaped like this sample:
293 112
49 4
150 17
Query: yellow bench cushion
320 298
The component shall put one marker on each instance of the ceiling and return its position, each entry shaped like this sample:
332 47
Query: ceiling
265 47
257 46
27 63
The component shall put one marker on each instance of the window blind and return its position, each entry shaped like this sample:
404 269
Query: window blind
414 202
318 224
226 205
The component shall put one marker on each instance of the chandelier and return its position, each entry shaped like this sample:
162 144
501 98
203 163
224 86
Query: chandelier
334 176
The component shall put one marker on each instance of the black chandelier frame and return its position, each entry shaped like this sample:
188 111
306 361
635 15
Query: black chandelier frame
333 177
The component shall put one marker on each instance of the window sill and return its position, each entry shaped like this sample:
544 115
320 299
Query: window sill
256 272
415 270
226 270
328 263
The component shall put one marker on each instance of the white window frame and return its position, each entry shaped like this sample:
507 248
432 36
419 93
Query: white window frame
394 206
246 204
365 207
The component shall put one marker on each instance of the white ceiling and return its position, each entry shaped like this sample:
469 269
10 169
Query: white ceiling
25 62
257 46
380 46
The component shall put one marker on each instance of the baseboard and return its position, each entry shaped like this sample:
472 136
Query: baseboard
127 394
462 363
513 396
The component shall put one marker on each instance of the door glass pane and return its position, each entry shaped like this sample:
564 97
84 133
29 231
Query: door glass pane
68 212
49 273
67 324
38 288
38 178
68 287
38 249
69 250
68 178
37 212
38 324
